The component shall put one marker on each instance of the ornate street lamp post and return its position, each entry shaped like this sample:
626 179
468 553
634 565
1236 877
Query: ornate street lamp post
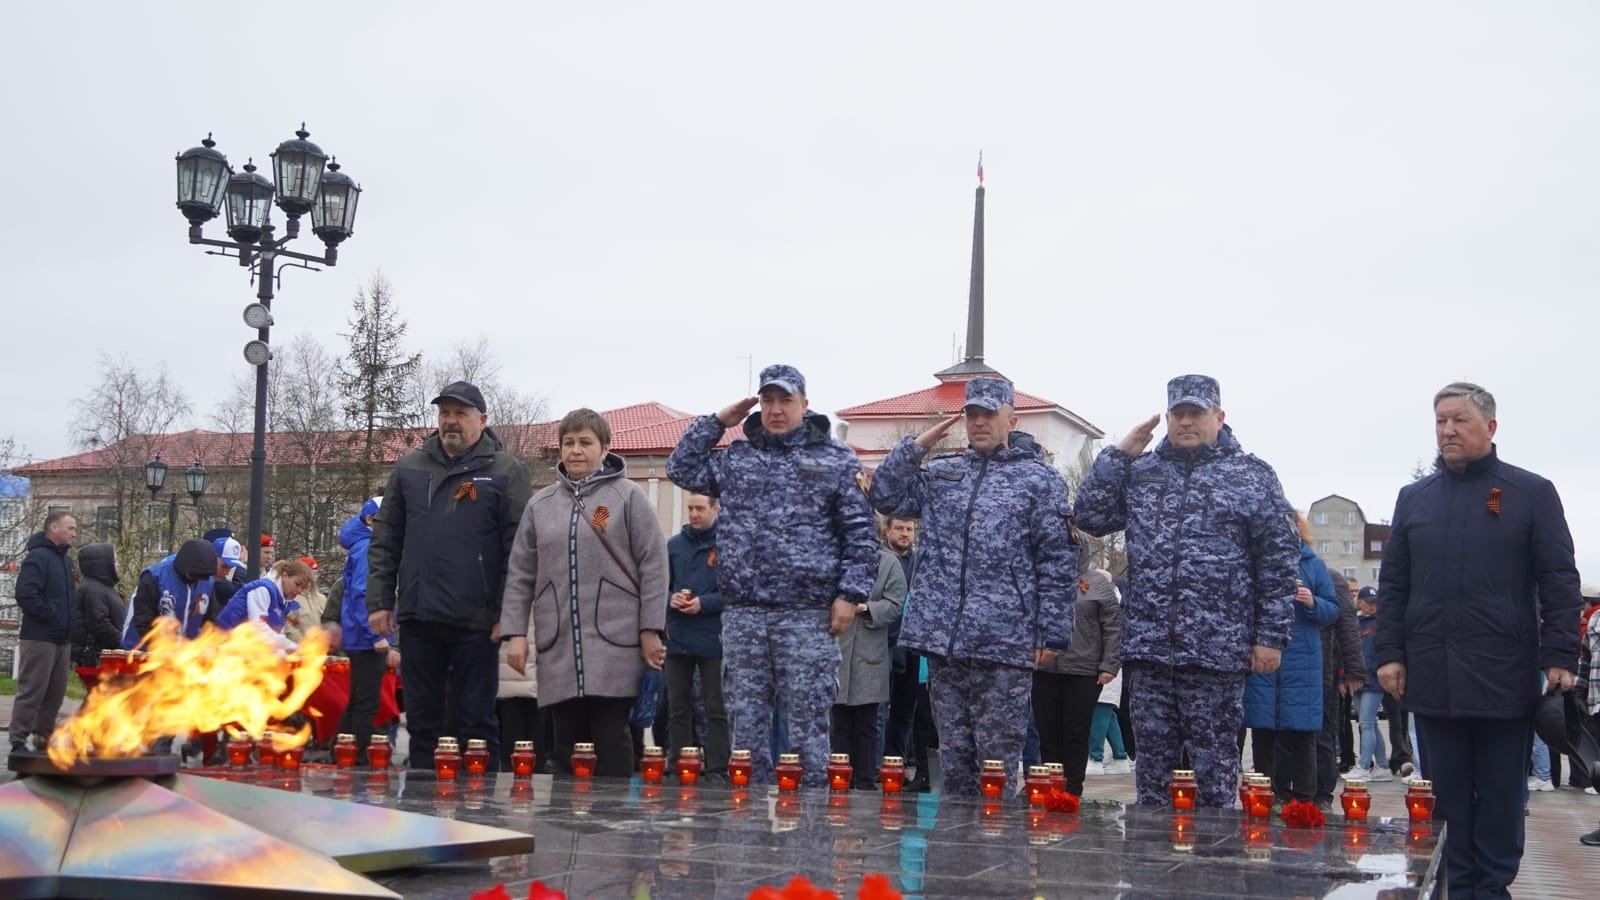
155 476
308 181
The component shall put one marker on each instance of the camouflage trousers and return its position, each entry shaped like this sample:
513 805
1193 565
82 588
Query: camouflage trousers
1186 708
784 658
981 710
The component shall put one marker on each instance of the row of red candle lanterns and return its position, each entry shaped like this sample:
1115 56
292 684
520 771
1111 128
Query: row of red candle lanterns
1255 797
239 750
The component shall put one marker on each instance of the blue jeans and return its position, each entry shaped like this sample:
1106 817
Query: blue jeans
450 676
1105 727
1373 755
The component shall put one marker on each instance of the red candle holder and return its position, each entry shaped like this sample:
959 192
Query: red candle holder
1183 789
689 765
1058 776
115 662
892 774
239 749
266 752
1420 800
447 759
653 765
839 772
522 759
476 759
379 753
789 772
583 760
1244 791
1037 785
992 778
1260 805
739 768
289 758
1355 800
345 751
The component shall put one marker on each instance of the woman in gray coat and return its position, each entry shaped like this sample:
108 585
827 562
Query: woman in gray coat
864 671
587 584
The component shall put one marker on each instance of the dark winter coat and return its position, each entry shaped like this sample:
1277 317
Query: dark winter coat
1368 626
996 572
1290 698
691 564
1211 551
1341 642
101 608
442 537
45 591
795 530
1479 590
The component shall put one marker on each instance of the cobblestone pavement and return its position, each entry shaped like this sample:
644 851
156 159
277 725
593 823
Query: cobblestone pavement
1554 867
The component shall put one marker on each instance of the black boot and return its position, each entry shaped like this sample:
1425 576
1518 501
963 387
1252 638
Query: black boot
1592 839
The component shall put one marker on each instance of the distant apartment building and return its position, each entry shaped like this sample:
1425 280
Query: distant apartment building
1346 541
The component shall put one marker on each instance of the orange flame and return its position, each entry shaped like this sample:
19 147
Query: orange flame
233 679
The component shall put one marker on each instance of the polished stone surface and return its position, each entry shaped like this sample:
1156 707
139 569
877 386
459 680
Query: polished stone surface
610 838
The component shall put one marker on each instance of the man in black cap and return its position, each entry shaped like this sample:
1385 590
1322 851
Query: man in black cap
436 568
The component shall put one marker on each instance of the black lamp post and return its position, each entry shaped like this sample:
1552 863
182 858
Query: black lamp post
308 181
155 476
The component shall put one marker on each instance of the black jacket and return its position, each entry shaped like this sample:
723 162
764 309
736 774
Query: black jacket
100 608
45 592
1479 591
442 538
1341 641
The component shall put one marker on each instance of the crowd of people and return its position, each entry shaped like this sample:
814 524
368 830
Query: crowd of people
954 599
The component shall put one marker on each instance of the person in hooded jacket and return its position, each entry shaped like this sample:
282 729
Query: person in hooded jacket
588 584
101 607
996 577
267 602
864 672
797 549
1283 708
1066 690
437 567
694 637
45 595
1212 559
178 587
370 653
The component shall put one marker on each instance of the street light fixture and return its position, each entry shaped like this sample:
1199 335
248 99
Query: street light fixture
155 477
308 181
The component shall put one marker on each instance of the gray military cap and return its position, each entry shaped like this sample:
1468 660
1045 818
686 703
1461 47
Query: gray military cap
786 378
990 393
1194 390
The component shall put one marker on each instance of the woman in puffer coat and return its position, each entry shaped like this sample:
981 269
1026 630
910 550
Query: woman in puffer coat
1283 709
101 608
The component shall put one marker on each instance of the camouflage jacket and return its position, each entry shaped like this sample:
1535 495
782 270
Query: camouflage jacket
795 529
996 569
1211 551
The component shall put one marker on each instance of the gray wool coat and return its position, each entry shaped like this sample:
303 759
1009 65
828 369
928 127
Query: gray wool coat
864 647
600 656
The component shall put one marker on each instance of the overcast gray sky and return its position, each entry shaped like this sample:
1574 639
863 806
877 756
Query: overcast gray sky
1335 208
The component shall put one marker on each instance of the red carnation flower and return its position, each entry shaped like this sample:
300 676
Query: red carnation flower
1300 814
1061 801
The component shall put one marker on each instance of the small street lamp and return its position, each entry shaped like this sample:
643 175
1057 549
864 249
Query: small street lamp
155 477
308 181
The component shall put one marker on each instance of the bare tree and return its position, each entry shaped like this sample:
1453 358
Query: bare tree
122 416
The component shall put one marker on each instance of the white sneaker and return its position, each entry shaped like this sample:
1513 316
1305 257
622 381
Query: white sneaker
1540 784
1381 773
1358 774
1590 790
1119 767
1094 768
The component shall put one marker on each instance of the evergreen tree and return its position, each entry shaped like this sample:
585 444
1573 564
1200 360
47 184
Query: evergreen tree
377 378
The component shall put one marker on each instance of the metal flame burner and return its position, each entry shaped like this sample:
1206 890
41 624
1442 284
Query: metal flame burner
135 827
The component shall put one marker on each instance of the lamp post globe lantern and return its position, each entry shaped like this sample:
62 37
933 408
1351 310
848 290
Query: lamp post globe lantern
249 205
297 166
202 180
155 475
195 479
333 215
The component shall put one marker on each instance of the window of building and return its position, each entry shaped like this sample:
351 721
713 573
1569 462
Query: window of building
1322 547
1349 572
105 522
55 508
1350 518
1319 518
1349 548
1375 570
1377 546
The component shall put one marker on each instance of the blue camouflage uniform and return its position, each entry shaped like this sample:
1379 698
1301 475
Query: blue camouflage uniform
995 581
795 532
1213 559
